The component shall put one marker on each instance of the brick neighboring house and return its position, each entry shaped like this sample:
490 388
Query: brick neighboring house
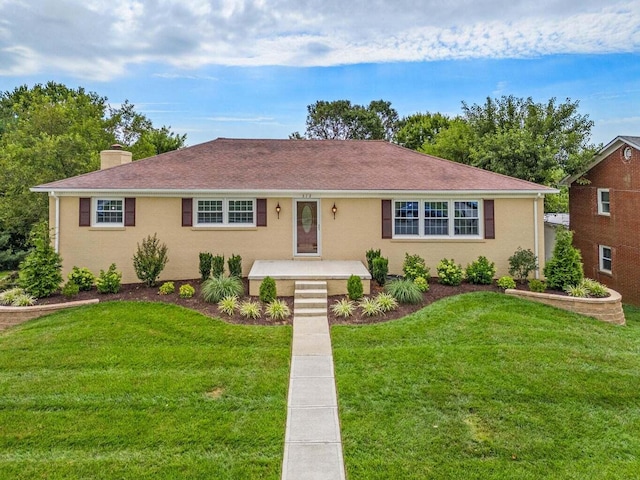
603 204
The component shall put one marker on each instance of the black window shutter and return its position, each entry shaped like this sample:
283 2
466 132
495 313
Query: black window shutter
261 212
129 212
387 220
187 212
85 212
489 220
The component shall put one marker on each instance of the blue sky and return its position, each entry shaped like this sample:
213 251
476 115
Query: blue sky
249 68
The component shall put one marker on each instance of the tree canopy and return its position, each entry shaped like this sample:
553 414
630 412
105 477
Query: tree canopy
49 132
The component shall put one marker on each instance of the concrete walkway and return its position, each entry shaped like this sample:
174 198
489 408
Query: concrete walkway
313 446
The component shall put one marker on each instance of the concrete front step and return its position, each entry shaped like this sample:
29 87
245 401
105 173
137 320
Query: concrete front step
310 285
309 312
309 303
311 293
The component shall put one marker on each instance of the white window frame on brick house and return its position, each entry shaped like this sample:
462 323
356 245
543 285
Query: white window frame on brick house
434 216
604 206
603 258
105 209
233 212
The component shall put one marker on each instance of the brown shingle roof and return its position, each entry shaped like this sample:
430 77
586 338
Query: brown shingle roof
319 165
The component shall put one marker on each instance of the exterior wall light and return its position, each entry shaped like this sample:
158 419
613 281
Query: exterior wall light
278 209
334 209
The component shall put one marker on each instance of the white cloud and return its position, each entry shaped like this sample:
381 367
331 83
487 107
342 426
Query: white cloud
100 39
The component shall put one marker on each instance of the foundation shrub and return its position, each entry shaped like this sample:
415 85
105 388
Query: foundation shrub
536 285
481 271
206 260
450 273
235 266
371 256
70 289
167 288
82 277
380 270
355 290
268 292
506 282
564 269
40 270
422 284
109 281
217 266
522 263
186 291
414 267
150 259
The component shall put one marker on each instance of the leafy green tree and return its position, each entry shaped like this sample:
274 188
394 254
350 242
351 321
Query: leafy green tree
419 129
40 271
453 143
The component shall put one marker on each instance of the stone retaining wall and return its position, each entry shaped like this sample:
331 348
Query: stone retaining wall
607 309
10 316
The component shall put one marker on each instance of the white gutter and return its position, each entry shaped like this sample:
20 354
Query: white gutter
56 230
536 246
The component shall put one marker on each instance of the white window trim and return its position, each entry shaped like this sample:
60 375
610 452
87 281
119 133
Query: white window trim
451 210
601 203
601 258
225 213
94 213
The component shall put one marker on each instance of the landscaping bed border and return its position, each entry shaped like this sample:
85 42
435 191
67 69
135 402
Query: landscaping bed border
10 316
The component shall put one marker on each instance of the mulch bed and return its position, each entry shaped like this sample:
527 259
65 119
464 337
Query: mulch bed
139 292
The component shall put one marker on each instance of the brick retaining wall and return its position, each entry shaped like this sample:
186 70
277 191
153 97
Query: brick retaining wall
607 309
10 316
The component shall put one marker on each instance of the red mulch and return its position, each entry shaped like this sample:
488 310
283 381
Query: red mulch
138 292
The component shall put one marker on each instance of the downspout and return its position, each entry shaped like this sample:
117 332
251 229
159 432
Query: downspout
56 228
536 246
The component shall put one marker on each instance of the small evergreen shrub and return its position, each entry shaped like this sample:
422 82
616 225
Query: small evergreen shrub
150 259
249 309
371 256
565 266
70 289
343 308
217 266
8 296
414 267
369 307
355 290
386 302
82 277
235 266
522 263
380 270
422 284
23 300
206 261
537 286
109 281
186 291
167 288
216 288
40 270
268 291
449 272
506 282
277 310
481 272
595 289
404 291
229 305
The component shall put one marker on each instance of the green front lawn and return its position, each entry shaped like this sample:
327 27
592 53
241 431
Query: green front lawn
486 386
135 390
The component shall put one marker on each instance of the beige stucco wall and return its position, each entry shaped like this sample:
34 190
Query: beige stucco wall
355 229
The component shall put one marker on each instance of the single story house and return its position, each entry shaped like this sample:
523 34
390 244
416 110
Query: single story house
603 199
303 200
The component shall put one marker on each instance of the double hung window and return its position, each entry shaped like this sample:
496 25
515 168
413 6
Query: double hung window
436 218
222 212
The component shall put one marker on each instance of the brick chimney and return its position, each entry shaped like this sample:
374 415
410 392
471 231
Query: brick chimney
114 156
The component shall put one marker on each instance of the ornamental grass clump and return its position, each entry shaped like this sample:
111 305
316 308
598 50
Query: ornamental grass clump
150 259
343 308
250 309
277 310
404 291
23 300
450 273
386 302
216 288
8 296
594 288
369 307
229 305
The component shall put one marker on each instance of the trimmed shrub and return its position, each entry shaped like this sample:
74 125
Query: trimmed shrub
354 288
250 309
206 261
369 307
40 270
481 272
371 256
422 284
277 310
8 296
149 260
386 302
229 305
82 277
109 281
536 285
70 289
217 266
565 266
268 291
167 288
235 266
186 291
380 270
343 308
522 263
414 267
506 282
216 288
404 291
450 273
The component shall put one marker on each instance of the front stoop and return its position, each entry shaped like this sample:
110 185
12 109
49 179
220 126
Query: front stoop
310 299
